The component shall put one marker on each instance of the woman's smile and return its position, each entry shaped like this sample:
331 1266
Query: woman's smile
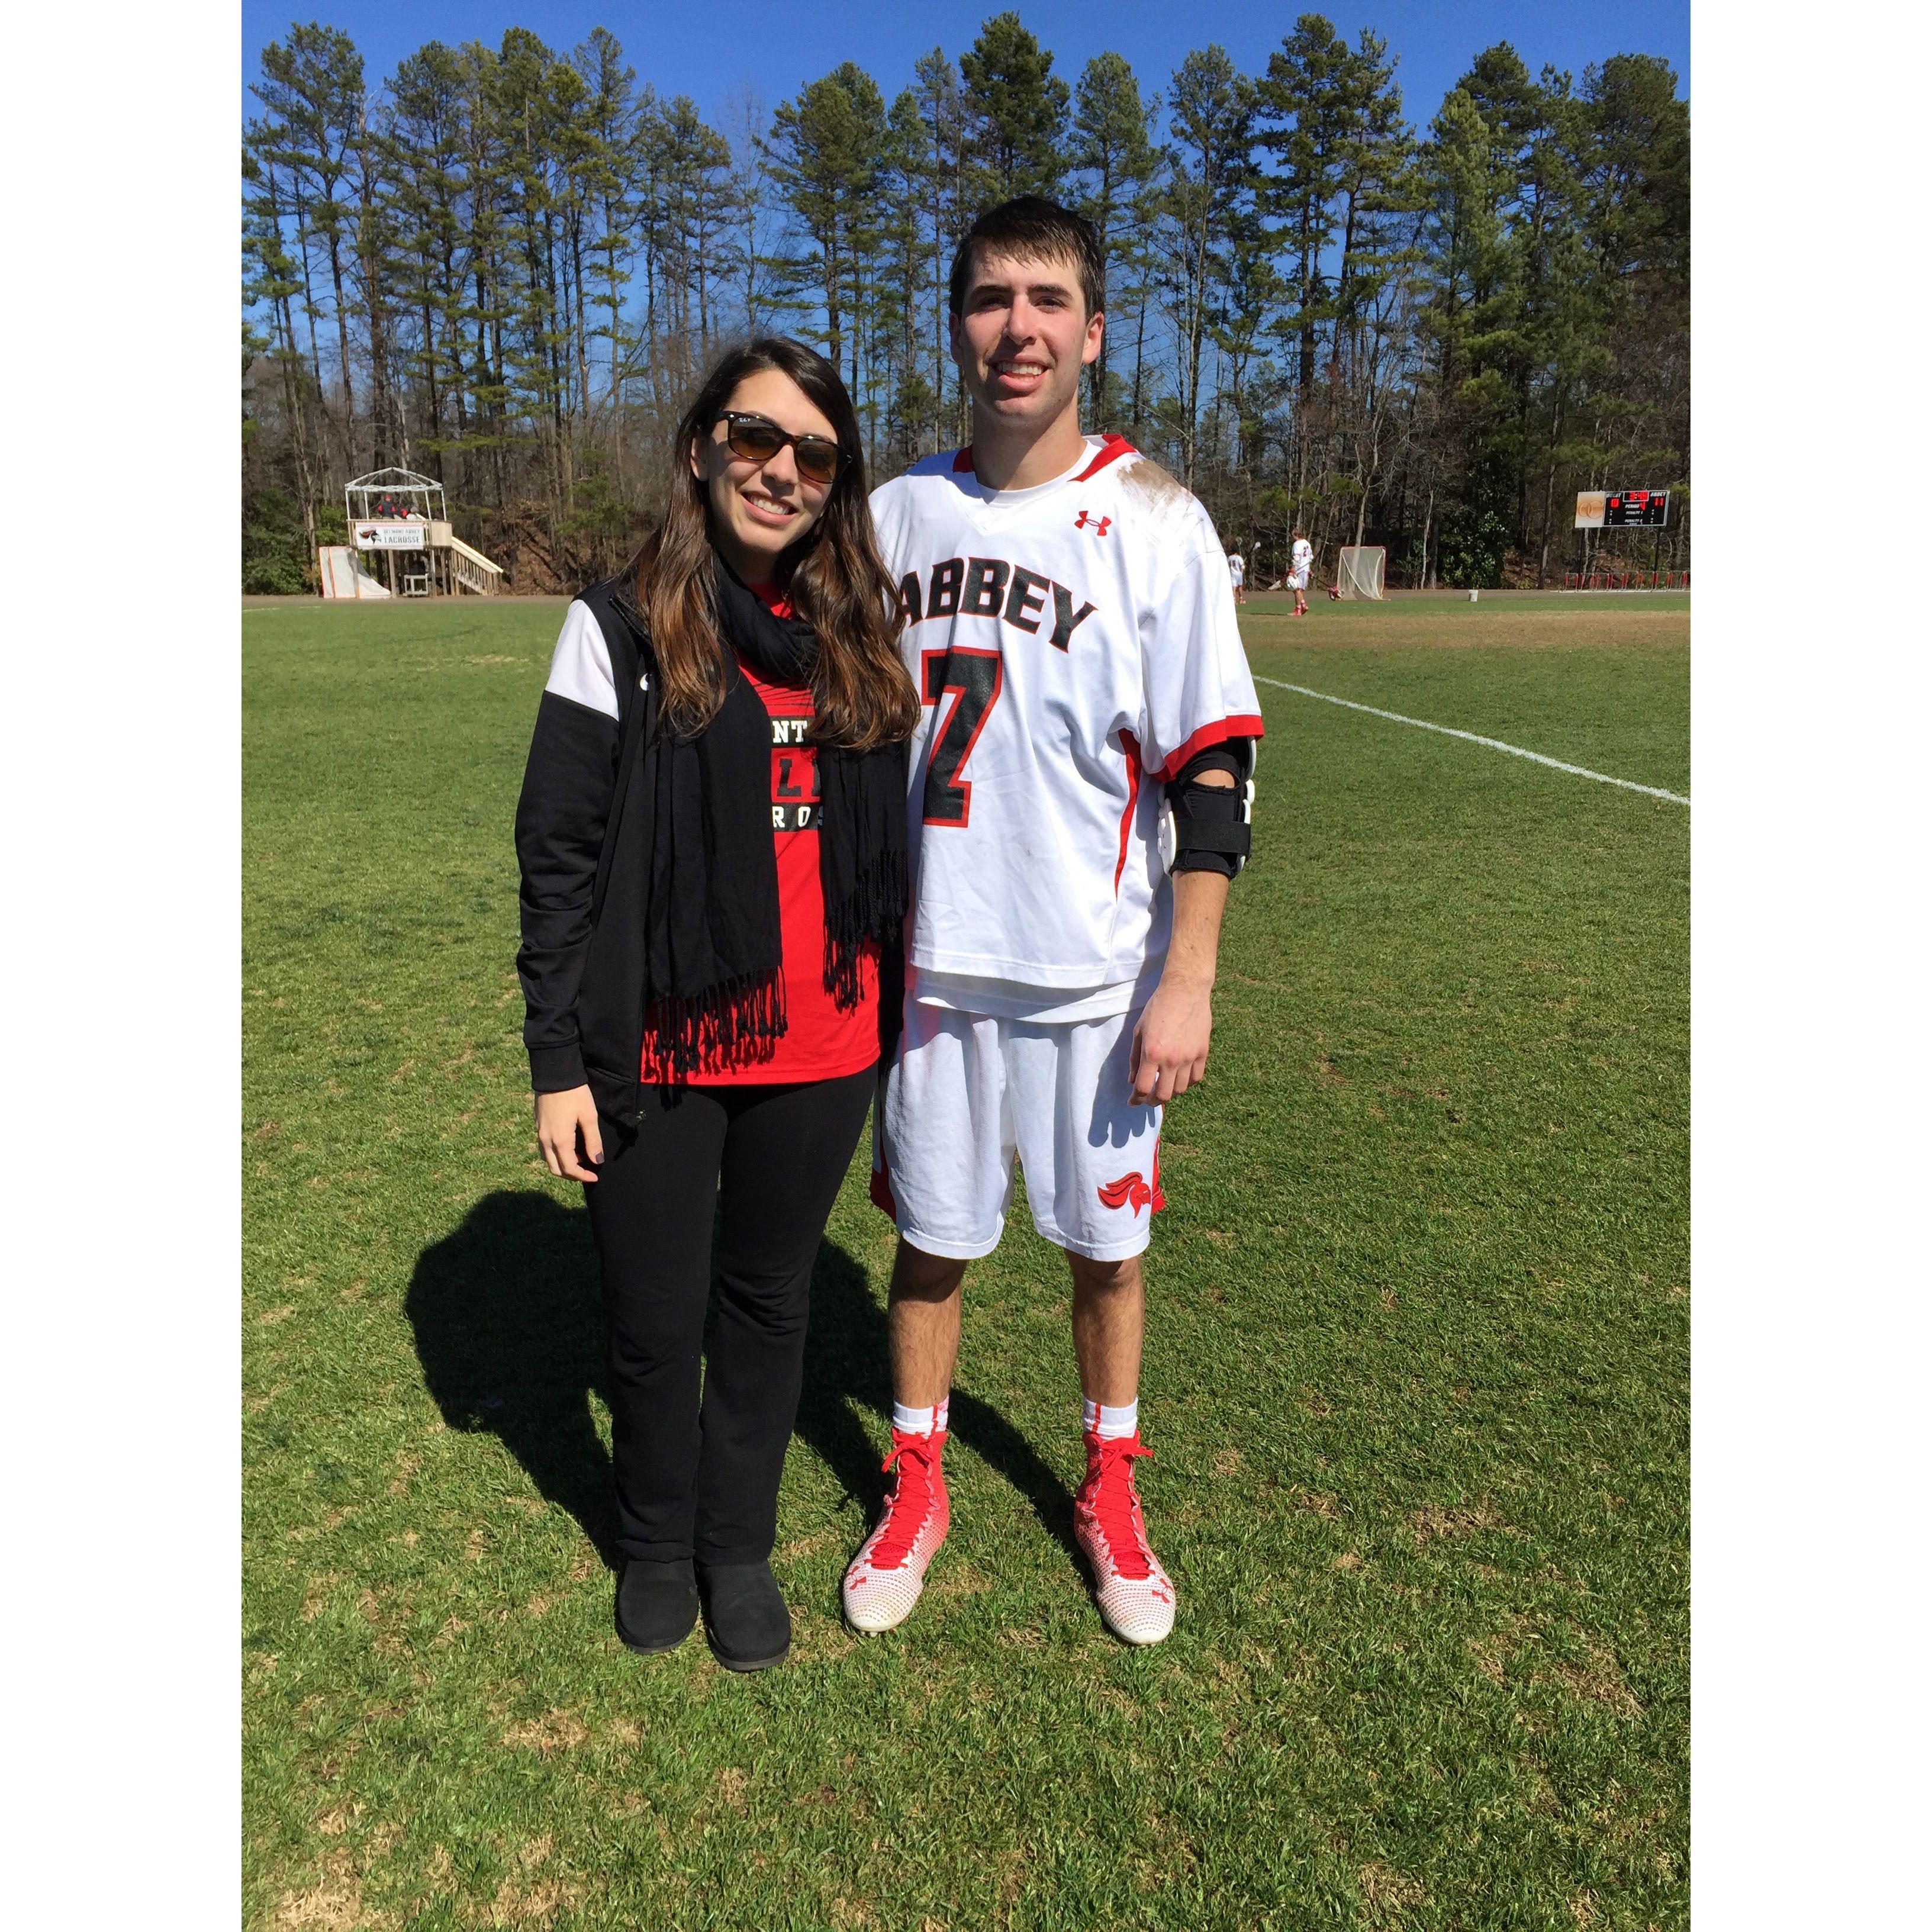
777 512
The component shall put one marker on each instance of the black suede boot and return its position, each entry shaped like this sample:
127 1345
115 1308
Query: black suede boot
657 1604
745 1620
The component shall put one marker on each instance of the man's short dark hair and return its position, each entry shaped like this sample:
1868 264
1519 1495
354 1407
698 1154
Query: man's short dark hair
1029 226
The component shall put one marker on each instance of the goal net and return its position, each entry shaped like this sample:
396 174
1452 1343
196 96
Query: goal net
1358 572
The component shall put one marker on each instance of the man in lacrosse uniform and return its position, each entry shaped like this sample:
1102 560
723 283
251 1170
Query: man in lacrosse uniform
1080 799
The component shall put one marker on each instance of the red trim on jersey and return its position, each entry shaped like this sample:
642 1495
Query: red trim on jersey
1130 744
1112 447
1218 733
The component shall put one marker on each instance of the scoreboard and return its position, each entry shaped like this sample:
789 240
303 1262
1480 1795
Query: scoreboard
1622 509
1636 509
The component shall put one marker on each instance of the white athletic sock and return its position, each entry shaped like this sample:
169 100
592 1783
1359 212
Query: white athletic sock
1110 1422
921 1421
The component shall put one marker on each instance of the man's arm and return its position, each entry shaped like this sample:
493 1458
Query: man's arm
1170 1047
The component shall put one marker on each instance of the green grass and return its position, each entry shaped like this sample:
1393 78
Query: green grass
1416 1379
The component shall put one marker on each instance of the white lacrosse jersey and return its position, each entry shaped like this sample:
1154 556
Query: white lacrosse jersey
1074 644
1237 568
1304 555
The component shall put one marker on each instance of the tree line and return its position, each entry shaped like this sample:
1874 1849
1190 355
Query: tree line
506 266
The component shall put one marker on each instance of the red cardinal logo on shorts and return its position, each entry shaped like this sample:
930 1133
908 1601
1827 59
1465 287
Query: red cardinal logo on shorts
1129 1191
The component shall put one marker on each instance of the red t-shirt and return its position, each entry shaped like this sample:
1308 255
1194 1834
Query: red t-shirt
821 1041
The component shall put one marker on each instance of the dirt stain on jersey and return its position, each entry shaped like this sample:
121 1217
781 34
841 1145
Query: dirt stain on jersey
1147 480
1149 488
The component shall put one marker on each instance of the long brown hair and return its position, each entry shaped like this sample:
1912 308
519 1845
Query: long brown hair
862 696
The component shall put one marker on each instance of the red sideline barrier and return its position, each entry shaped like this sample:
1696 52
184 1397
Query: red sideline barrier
1627 580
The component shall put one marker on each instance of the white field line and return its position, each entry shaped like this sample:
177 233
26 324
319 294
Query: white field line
1494 744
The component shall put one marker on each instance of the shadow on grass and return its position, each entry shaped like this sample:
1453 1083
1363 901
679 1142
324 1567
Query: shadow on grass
510 1334
509 1330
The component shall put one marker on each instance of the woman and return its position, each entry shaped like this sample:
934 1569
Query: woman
712 834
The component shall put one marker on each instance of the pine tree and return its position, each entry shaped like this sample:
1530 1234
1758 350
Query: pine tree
1018 111
1210 178
1635 165
1374 297
488 311
942 110
374 260
1117 162
425 163
1470 181
272 278
698 215
313 89
520 98
1301 104
611 128
745 129
1639 174
904 288
1374 155
825 150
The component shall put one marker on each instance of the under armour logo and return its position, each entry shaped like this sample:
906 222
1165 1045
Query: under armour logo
1129 1191
1087 520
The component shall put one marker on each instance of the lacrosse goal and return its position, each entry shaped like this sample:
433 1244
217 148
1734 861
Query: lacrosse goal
1358 571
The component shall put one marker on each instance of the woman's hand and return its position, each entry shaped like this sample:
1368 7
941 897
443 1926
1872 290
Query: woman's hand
564 1121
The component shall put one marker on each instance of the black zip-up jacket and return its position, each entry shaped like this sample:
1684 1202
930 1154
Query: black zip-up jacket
584 830
584 841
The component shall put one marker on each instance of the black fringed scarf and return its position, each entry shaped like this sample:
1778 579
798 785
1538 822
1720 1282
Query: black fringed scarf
715 983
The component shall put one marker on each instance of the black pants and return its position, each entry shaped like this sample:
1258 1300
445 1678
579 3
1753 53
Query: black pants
695 1480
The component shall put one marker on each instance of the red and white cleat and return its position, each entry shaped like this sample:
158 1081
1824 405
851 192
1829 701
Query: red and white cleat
1134 1594
884 1579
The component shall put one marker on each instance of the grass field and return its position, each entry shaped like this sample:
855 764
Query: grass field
1416 1382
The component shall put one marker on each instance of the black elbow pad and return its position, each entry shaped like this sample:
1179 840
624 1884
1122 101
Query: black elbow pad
1209 824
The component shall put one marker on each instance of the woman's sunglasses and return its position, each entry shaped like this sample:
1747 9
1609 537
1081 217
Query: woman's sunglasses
758 440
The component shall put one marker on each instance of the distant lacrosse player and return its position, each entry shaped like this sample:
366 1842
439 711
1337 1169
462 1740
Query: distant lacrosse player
1238 574
1301 561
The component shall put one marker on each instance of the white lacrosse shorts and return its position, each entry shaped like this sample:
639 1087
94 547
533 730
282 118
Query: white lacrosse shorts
967 1092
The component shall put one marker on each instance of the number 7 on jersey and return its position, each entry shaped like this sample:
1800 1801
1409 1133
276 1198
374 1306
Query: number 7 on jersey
972 678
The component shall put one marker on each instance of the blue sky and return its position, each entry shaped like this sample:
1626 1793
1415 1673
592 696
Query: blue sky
715 49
